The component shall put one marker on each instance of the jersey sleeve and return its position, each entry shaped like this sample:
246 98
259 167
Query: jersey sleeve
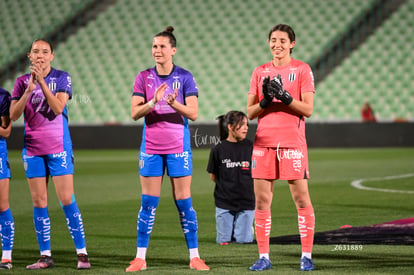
4 104
18 89
254 89
64 85
307 82
139 86
190 86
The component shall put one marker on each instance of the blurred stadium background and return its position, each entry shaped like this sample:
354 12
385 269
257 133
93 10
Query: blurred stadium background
360 51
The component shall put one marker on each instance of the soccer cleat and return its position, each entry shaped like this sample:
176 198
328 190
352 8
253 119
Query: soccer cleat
42 263
6 264
198 264
136 265
261 264
224 243
83 261
306 264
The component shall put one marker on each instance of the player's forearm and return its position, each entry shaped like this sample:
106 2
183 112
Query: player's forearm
56 102
253 107
141 110
304 106
5 132
17 106
253 111
190 112
301 108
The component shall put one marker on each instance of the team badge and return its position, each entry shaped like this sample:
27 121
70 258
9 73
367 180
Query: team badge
292 77
176 84
52 84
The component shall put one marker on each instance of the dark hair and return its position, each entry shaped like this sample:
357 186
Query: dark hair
232 118
168 32
284 28
44 40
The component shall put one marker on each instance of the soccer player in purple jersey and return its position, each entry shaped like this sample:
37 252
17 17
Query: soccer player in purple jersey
42 95
166 96
6 218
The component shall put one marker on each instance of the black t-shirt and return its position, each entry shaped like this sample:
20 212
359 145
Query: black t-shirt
231 163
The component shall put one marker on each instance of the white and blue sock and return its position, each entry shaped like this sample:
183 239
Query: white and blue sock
75 225
145 223
41 222
7 233
188 219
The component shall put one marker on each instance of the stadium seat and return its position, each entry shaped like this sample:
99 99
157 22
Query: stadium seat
220 42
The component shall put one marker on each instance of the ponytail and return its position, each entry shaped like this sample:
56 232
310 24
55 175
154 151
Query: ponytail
232 118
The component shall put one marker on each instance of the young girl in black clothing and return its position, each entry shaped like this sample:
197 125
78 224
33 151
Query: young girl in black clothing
229 167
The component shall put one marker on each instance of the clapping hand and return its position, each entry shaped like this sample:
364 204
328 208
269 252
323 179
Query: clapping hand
267 94
276 88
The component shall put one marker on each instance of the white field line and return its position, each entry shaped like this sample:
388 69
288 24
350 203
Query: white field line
358 184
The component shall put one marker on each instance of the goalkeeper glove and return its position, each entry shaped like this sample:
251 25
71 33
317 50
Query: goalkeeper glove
276 87
267 95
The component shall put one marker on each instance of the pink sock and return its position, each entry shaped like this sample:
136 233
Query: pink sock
263 221
306 221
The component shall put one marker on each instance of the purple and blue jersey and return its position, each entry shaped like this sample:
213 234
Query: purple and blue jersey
165 131
44 132
4 111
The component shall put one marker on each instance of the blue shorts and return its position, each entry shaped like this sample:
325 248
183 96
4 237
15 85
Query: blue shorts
4 166
234 226
178 165
53 164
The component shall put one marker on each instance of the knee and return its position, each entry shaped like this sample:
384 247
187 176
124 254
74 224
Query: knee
302 202
39 201
263 202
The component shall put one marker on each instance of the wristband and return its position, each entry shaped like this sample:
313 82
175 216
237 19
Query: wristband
151 103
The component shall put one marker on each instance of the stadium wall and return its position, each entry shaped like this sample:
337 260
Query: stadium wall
319 135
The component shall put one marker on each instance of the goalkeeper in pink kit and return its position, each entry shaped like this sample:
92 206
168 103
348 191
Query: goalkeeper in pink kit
281 95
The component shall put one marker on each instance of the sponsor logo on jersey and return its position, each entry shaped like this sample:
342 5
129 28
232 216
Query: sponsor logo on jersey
234 164
184 155
62 156
294 155
69 85
258 153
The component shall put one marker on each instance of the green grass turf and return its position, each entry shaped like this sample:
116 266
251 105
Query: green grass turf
108 194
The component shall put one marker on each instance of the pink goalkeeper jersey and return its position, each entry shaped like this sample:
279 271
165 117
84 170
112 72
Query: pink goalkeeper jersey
278 125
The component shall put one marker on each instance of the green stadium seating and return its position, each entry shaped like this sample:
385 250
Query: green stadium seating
221 42
23 21
379 72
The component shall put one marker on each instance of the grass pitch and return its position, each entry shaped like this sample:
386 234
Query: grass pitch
108 193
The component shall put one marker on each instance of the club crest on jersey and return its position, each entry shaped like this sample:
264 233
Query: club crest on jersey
292 77
176 84
52 84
